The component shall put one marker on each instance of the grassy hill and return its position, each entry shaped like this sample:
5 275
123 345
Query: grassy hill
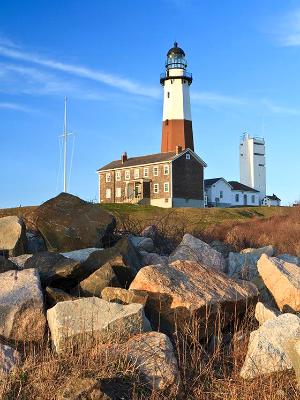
239 227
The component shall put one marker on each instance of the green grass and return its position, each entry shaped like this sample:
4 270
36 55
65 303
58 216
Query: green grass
204 216
193 219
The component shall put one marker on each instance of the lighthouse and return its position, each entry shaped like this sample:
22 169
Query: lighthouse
177 129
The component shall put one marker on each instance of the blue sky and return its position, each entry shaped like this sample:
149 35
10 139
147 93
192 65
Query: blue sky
107 58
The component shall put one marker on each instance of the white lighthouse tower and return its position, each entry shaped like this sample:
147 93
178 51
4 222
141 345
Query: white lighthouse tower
177 118
253 163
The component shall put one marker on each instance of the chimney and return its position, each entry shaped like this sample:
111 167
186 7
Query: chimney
124 157
178 149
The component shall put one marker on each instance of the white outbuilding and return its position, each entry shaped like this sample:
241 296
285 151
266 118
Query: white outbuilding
218 192
243 195
271 200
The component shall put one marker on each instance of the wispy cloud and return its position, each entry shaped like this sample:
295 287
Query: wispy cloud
115 81
287 29
22 79
213 99
15 107
278 109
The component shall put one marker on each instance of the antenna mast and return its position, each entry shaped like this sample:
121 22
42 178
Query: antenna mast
65 136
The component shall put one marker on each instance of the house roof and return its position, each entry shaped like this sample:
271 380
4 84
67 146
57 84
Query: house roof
273 197
148 159
209 182
241 187
132 161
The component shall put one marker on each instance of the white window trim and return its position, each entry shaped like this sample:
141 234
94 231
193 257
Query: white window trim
155 169
156 188
108 191
146 175
127 172
166 169
136 173
118 175
108 177
187 156
166 184
118 192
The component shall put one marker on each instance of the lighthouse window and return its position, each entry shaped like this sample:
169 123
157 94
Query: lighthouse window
168 95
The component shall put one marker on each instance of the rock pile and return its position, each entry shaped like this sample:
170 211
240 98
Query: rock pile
68 277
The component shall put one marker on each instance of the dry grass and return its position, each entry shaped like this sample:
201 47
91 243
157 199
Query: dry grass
282 231
238 227
203 376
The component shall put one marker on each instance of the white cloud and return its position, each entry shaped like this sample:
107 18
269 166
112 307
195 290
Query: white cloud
26 80
213 99
277 109
14 106
287 29
115 81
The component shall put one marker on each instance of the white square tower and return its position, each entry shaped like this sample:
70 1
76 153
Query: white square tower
253 163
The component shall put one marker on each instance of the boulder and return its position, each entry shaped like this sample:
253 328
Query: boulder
80 255
12 236
193 249
35 242
55 269
243 266
268 250
9 359
68 223
20 261
6 265
123 259
55 295
123 296
283 281
290 259
96 282
221 247
82 388
292 350
142 243
150 232
92 319
266 353
265 313
153 356
21 306
185 290
153 259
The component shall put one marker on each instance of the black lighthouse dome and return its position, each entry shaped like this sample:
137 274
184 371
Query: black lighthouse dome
175 51
176 58
176 66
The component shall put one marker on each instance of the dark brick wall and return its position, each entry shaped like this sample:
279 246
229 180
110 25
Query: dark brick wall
187 178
